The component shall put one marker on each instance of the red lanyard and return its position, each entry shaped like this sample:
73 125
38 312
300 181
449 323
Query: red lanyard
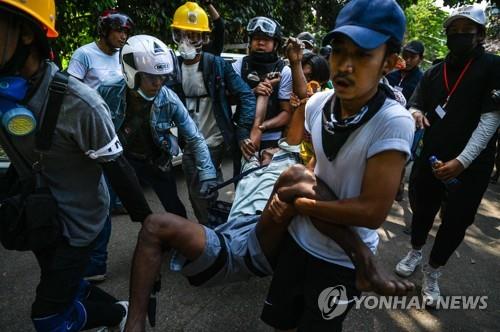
445 74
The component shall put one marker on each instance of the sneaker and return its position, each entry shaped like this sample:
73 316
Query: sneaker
95 273
430 287
407 265
95 278
120 327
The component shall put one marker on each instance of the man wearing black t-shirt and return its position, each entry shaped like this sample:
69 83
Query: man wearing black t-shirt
453 103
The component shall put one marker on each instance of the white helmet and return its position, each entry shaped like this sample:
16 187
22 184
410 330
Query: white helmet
145 54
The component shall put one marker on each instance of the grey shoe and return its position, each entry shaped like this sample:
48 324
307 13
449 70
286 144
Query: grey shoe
430 287
121 326
407 265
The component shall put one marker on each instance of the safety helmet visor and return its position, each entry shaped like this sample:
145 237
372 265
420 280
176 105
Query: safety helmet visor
120 22
114 21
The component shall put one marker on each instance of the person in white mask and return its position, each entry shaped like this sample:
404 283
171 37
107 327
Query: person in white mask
202 85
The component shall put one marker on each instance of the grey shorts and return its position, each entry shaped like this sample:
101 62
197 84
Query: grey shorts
232 253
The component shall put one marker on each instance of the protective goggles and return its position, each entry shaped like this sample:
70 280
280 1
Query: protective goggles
195 38
264 24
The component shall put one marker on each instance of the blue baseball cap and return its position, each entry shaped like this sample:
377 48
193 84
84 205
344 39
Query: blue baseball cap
369 23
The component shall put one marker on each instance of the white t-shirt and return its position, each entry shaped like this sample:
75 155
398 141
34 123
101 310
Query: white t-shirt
284 92
92 66
202 114
390 129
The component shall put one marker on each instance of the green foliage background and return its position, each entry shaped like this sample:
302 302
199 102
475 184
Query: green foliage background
425 23
76 19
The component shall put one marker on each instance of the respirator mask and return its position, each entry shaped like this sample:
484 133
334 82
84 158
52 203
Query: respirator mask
16 119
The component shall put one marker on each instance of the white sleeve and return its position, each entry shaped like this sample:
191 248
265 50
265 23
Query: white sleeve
395 132
237 66
488 125
79 64
285 89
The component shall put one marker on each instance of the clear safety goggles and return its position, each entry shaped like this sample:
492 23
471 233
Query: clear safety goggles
195 38
265 25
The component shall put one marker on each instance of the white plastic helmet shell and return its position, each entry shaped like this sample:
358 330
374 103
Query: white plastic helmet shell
145 54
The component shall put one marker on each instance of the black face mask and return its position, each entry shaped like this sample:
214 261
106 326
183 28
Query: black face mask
264 57
460 44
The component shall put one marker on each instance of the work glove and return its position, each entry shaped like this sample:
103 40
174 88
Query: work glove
207 189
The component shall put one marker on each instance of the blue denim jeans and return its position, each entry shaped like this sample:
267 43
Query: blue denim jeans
114 200
99 255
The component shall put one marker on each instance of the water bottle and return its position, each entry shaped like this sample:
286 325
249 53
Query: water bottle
451 184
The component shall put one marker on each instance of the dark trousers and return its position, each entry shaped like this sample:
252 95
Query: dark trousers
461 207
308 293
62 268
189 166
162 182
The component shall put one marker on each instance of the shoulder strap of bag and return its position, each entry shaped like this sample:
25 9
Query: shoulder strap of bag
43 137
21 166
57 90
236 178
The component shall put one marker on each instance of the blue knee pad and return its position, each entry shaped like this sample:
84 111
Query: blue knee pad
73 319
83 290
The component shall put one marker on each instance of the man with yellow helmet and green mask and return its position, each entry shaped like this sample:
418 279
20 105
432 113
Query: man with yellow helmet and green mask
82 145
204 81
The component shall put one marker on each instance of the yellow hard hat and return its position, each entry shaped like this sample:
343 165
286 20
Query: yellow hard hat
191 17
43 11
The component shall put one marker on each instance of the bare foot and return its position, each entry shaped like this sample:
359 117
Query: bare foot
370 277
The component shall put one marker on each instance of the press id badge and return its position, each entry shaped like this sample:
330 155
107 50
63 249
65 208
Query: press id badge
440 111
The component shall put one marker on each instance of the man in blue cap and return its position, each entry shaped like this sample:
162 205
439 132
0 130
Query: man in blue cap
361 138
